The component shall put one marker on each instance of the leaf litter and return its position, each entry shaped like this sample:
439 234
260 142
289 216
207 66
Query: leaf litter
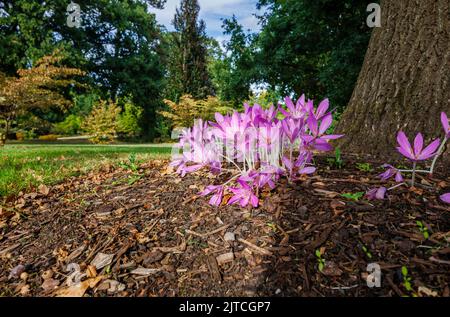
97 235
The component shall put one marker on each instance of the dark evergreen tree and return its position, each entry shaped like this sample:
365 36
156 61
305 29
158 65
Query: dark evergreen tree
188 63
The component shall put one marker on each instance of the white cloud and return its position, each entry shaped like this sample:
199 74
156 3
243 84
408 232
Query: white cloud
212 11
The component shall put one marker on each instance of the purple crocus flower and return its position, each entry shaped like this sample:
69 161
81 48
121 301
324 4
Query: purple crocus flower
216 199
418 154
391 171
319 130
322 109
243 195
445 125
296 111
301 162
318 140
446 198
376 193
291 128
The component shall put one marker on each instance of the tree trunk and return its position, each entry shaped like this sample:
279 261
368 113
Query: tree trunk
404 81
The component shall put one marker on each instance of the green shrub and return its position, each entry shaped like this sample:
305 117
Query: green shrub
265 99
20 136
70 126
128 120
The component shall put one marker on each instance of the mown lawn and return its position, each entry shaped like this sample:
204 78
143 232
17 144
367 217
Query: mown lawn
25 166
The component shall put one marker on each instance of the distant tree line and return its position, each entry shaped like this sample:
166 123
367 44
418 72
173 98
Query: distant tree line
120 55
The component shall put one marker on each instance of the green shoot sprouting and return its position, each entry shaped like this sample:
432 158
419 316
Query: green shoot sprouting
353 196
364 167
423 229
320 260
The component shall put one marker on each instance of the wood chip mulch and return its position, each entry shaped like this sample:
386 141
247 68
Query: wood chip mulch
147 233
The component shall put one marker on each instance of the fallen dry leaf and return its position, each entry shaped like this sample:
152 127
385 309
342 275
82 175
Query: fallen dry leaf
43 189
91 271
331 269
78 290
225 258
426 291
327 193
50 284
144 271
25 290
337 206
101 260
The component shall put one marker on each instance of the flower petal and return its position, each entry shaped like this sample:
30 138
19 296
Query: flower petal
326 123
284 112
332 136
406 153
312 124
430 150
254 201
380 193
446 198
418 144
208 190
233 199
322 108
193 168
398 177
244 201
321 145
216 200
307 170
287 162
289 104
404 143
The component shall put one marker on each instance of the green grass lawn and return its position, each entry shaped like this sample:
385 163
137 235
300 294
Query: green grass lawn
25 166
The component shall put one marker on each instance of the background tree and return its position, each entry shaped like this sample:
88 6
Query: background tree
188 69
183 113
40 87
313 47
404 82
233 71
102 123
118 45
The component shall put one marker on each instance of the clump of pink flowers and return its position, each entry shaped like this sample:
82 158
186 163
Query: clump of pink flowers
257 147
415 152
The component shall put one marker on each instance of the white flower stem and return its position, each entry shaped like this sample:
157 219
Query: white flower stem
398 185
417 171
439 152
231 161
413 174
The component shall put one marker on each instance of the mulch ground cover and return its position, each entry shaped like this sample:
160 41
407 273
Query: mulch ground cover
148 233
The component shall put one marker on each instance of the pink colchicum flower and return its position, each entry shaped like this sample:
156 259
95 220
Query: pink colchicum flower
419 153
257 145
446 198
376 193
391 171
216 199
244 195
445 124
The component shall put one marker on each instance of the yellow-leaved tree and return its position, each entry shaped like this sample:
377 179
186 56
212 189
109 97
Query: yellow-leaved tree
102 122
39 87
183 113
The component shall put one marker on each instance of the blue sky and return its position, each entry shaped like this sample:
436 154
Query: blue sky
212 11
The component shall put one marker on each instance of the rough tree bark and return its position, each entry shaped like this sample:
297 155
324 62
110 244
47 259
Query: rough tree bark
404 81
